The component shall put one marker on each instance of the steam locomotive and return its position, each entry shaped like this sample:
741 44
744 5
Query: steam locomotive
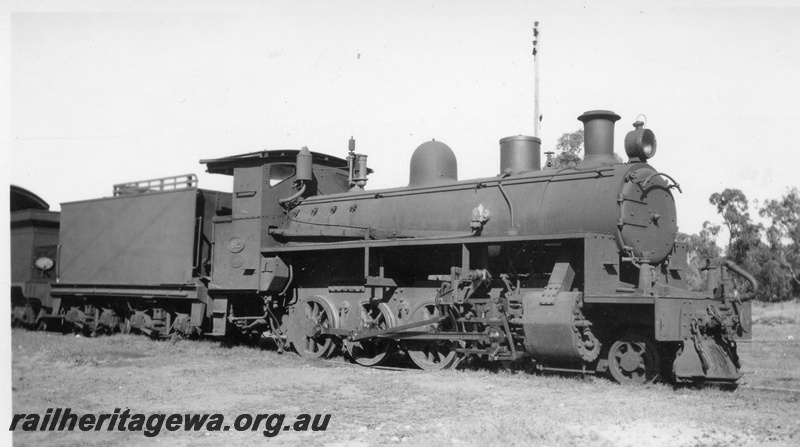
575 269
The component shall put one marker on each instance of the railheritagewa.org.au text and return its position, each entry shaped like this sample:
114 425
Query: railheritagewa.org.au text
63 419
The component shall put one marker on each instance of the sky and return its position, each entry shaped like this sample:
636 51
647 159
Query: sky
110 92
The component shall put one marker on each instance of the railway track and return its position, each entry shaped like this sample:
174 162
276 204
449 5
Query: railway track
381 367
771 389
399 365
409 368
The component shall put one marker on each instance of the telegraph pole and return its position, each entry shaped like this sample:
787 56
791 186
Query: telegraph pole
537 115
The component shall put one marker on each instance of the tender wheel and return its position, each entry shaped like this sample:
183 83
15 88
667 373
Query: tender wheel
432 355
16 316
375 351
309 317
124 325
633 359
22 316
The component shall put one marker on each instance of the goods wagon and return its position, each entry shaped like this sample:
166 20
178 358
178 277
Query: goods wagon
34 242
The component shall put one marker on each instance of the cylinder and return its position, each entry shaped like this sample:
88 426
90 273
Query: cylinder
598 137
520 154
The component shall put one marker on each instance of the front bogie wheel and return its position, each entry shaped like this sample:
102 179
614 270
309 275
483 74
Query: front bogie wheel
634 359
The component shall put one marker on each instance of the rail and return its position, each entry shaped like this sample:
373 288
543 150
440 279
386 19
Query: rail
184 181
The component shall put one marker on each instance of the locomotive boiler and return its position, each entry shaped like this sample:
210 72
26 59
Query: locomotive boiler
575 269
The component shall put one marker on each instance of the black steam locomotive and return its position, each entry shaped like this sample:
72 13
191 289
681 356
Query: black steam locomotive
576 269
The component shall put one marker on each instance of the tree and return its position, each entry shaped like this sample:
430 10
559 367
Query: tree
783 237
745 247
785 217
569 149
775 263
744 234
699 247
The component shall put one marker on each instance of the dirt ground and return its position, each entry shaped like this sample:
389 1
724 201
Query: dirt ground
377 407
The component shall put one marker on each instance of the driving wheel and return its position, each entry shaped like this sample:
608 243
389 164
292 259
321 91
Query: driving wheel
309 318
372 352
436 354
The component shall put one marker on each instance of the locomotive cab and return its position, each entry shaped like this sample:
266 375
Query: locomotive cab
265 184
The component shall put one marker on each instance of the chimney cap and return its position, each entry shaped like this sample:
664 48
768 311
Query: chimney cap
595 114
520 138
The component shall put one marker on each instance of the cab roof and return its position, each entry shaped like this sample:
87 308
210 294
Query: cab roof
22 199
226 165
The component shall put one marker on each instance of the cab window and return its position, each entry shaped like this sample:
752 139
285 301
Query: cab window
280 173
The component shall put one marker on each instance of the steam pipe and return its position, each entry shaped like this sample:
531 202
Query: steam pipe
293 196
288 283
512 229
744 274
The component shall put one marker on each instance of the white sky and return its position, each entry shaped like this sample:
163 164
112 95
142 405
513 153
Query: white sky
108 92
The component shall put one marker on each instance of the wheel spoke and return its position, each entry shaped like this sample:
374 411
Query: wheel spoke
315 311
374 351
431 355
307 318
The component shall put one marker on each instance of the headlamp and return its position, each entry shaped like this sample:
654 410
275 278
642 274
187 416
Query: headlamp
640 143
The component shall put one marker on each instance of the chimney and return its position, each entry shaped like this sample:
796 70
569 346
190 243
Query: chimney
598 138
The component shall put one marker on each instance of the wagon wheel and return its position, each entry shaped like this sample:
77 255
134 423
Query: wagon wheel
93 327
124 325
17 316
375 351
633 359
309 317
432 355
25 317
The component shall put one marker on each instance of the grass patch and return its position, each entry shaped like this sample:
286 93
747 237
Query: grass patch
470 406
771 314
